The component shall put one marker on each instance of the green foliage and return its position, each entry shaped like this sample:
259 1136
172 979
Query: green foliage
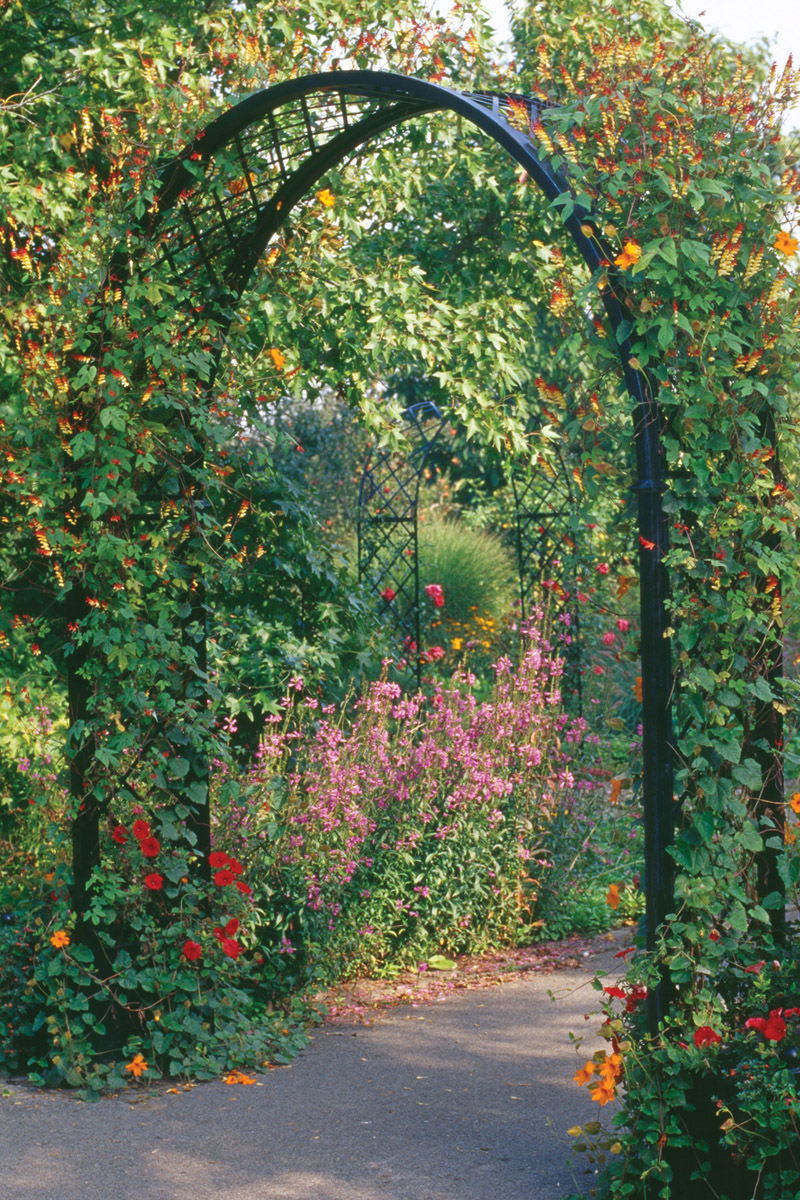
473 568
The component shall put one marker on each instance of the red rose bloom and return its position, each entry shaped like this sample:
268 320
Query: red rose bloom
192 950
223 878
149 847
705 1036
141 830
218 858
235 866
244 888
434 590
231 947
120 835
154 882
232 927
388 594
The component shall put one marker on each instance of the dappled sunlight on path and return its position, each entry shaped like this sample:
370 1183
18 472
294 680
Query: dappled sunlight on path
467 1098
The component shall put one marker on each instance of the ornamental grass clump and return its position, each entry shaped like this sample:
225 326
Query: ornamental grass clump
417 826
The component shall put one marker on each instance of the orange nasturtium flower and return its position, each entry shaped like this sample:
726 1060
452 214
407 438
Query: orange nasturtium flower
612 896
585 1073
326 197
240 1077
631 253
794 803
60 939
616 788
278 358
137 1067
637 689
785 244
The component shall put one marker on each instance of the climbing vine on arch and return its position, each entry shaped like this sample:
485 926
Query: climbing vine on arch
695 203
678 144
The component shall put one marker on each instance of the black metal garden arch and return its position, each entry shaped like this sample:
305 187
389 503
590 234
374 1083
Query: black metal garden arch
211 238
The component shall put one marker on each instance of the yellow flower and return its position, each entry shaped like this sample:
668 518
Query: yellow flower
60 939
785 244
278 358
137 1067
456 643
326 197
631 253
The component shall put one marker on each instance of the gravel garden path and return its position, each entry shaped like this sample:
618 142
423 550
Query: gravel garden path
443 1086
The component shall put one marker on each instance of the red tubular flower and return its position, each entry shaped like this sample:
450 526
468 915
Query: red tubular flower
615 992
192 950
223 878
218 858
154 882
231 947
243 887
149 847
120 835
705 1036
141 830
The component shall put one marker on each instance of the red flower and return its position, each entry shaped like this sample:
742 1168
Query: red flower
235 866
244 888
615 992
218 858
219 932
705 1036
622 625
141 830
434 590
388 594
154 882
714 935
602 568
231 947
192 950
223 878
232 927
149 847
120 835
773 1027
435 652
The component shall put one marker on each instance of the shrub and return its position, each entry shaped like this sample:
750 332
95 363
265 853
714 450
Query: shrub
474 569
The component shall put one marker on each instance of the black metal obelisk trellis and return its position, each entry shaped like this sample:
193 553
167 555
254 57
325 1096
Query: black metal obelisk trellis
208 237
388 526
545 544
